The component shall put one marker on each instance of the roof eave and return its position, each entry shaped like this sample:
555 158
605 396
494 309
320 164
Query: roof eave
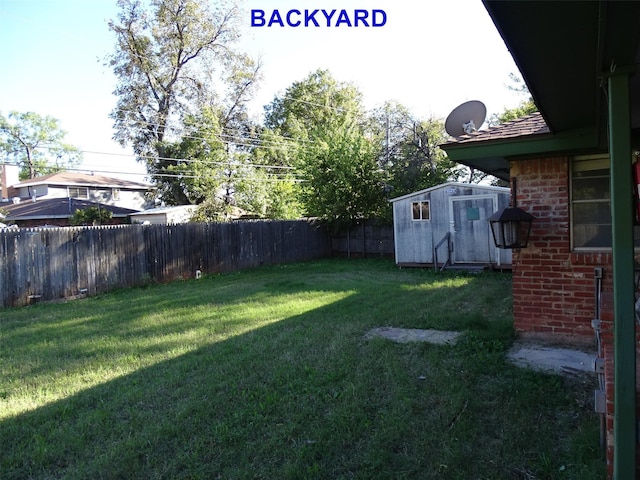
21 218
493 156
448 184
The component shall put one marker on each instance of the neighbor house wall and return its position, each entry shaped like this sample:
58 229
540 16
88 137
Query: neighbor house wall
554 288
127 198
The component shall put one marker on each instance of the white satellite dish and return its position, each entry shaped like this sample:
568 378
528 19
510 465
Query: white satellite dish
465 118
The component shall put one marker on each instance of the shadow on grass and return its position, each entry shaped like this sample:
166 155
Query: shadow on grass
304 396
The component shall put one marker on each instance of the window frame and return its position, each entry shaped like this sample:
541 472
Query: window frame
600 200
78 190
421 209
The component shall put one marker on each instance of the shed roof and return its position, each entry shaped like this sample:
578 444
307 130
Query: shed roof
491 188
166 209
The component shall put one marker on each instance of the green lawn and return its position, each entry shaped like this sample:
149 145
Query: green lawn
265 374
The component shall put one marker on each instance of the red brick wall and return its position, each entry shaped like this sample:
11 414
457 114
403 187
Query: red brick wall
554 295
553 288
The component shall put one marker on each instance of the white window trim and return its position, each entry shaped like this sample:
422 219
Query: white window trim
78 189
572 202
428 202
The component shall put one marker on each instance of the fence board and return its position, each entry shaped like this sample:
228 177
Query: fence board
365 239
47 264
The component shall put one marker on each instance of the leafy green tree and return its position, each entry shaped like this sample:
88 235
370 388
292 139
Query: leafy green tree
525 107
3 215
317 127
173 59
308 105
409 150
90 216
276 156
343 182
213 209
283 200
194 166
210 170
36 144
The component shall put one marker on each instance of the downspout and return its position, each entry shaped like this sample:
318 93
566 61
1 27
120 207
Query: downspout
624 419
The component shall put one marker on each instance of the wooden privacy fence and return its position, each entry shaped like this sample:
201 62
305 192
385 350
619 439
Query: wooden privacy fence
367 238
52 263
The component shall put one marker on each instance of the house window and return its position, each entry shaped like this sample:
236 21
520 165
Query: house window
78 192
591 202
115 194
420 210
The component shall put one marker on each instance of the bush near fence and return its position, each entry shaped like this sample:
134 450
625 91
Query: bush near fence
41 264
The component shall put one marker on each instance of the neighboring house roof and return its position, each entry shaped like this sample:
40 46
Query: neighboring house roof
491 188
56 208
83 179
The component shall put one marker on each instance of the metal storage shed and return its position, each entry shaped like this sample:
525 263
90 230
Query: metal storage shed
448 222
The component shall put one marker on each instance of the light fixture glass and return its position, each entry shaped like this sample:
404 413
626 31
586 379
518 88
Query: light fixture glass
511 227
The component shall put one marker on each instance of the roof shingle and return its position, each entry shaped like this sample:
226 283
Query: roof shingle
57 208
68 178
532 124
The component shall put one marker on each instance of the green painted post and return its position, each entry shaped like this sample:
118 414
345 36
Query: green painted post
624 421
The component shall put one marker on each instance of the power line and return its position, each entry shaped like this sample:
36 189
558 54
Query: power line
244 140
183 160
271 178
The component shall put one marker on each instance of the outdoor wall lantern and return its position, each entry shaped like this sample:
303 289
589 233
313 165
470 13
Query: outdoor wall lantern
511 226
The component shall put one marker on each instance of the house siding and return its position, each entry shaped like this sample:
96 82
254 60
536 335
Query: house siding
554 288
133 199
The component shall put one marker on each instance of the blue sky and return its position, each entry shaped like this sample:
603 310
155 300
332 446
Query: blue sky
430 56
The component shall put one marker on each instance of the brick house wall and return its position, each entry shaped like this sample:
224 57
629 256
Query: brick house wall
554 289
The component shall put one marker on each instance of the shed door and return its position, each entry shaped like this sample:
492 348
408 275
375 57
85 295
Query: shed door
472 241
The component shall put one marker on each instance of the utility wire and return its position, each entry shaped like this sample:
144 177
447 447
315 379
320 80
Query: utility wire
271 178
182 160
167 126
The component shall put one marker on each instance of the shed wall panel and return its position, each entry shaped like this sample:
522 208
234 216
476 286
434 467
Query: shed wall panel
416 239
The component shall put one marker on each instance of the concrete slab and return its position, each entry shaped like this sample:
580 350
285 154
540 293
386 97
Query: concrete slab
406 335
528 355
551 359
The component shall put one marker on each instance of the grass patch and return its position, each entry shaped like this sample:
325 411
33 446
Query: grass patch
265 374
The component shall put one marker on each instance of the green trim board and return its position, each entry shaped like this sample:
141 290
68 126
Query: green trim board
493 156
